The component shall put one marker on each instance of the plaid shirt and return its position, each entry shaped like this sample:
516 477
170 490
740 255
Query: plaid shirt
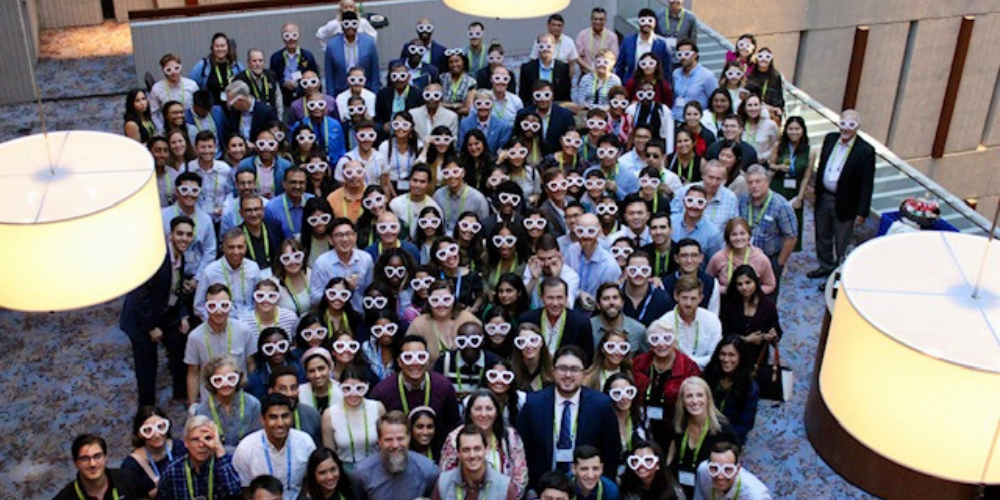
173 483
770 228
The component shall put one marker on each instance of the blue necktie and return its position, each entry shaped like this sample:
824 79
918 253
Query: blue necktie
565 441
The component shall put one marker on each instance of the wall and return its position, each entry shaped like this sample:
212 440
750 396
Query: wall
15 80
66 13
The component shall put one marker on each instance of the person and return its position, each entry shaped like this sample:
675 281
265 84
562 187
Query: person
659 250
264 487
465 366
652 116
636 45
93 477
750 313
347 201
844 183
563 46
439 324
588 475
395 469
594 263
622 391
388 229
699 135
655 193
216 71
322 390
277 450
611 357
723 472
290 64
201 252
734 390
764 76
593 40
347 427
720 204
620 182
791 170
658 375
555 485
173 87
647 477
496 131
348 50
695 415
732 137
431 114
499 380
475 50
551 425
287 208
561 326
334 28
345 261
219 335
207 470
426 440
415 385
263 237
312 90
268 166
610 318
246 116
530 361
163 162
676 23
691 223
375 166
475 475
691 81
326 478
262 82
697 329
356 81
211 171
459 83
433 52
746 46
506 104
273 348
154 448
399 95
553 120
400 150
138 123
687 253
636 215
239 274
592 91
226 403
740 251
422 74
409 205
548 262
456 197
547 67
760 132
773 227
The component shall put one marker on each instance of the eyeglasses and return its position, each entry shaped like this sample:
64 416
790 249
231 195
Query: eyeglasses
638 271
188 190
399 76
661 339
350 24
504 241
849 124
309 82
335 294
395 272
414 357
425 28
572 142
441 300
349 346
228 380
605 153
451 173
619 393
483 104
542 95
645 461
695 202
401 125
357 110
264 296
619 103
354 389
447 251
310 334
373 201
500 78
509 199
279 347
295 257
497 329
319 166
378 303
530 342
366 136
586 231
387 227
647 63
470 226
214 306
316 105
356 80
727 471
592 184
96 457
569 370
650 182
469 341
378 331
429 223
343 235
354 173
147 431
421 283
290 35
645 95
535 223
454 52
416 50
498 376
605 208
442 140
306 137
619 252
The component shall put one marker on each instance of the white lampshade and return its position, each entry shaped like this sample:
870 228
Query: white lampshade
912 362
507 9
87 233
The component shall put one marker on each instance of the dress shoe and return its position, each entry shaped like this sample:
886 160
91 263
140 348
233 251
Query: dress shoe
819 273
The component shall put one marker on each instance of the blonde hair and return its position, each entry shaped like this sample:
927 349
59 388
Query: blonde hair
593 374
714 419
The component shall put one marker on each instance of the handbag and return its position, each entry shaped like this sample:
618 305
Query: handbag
776 382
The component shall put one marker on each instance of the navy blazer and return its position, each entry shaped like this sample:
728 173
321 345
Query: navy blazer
561 83
577 330
437 55
336 64
145 306
262 113
627 60
304 62
498 131
383 103
561 120
428 74
597 426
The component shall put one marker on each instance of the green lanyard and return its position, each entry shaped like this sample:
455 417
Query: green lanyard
243 283
402 393
729 268
288 214
350 433
560 326
697 329
627 442
458 371
738 485
697 450
656 262
267 245
298 424
190 483
461 203
79 492
229 341
680 22
215 414
229 75
343 322
253 86
755 221
292 294
499 272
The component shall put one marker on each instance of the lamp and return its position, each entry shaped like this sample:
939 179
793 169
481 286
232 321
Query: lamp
507 9
912 361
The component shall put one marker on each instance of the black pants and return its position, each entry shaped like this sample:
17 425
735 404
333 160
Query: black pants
146 355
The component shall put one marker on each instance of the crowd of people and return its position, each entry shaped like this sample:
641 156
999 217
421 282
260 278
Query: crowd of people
464 281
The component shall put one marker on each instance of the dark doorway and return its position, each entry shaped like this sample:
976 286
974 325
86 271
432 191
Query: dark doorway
108 9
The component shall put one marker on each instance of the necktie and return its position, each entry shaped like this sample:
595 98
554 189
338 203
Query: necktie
565 441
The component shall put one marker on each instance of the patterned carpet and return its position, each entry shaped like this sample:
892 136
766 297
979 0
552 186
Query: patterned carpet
71 372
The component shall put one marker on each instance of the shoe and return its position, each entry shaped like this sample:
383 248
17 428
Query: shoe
818 273
822 287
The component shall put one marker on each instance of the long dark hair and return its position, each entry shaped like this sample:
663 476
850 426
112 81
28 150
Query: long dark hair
521 248
131 114
420 237
635 412
378 274
499 429
742 378
803 145
475 169
664 485
744 270
140 417
313 204
311 486
524 298
304 322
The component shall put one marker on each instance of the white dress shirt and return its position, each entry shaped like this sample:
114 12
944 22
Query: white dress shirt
257 456
345 96
574 408
698 339
835 164
565 49
750 488
240 281
216 186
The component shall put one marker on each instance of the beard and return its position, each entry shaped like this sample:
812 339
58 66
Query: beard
395 461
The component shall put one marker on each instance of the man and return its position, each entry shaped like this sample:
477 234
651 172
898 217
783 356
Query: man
394 470
497 131
546 67
433 52
610 318
595 39
94 480
572 213
588 475
262 82
173 87
388 228
265 487
204 115
732 137
721 204
658 249
565 48
415 385
475 50
636 217
206 471
635 160
507 197
432 114
636 45
676 23
277 450
456 197
556 120
698 330
246 185
239 274
506 105
344 260
201 252
290 64
263 236
557 419
408 206
356 81
398 95
560 325
619 182
333 28
374 164
348 50
656 155
312 90
548 262
474 477
844 185
723 472
691 81
267 165
590 259
346 200
216 175
286 209
218 335
689 257
773 227
156 312
422 73
465 367
284 380
642 301
691 223
246 115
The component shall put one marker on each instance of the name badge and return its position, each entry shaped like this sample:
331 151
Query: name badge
686 478
565 456
223 97
296 76
672 43
679 102
654 412
404 185
790 183
768 218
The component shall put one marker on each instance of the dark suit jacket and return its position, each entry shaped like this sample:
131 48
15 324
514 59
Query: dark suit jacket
576 331
145 307
561 120
274 236
305 62
625 66
597 426
484 79
561 83
383 103
269 94
437 55
428 74
262 114
857 179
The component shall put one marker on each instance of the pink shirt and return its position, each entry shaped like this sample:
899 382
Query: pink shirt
718 266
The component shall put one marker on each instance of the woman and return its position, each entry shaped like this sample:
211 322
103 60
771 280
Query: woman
746 45
173 119
792 167
303 142
568 159
273 350
507 252
351 428
646 476
576 184
216 71
374 203
758 131
236 150
326 478
459 86
651 71
535 225
592 91
438 152
528 132
421 282
468 285
321 390
500 380
720 104
504 448
650 192
439 325
383 343
658 375
703 138
181 151
138 120
731 81
612 357
401 151
394 268
266 312
345 356
730 375
469 236
319 182
646 110
531 361
309 333
511 295
497 325
684 161
514 157
738 252
622 391
424 436
617 121
154 448
593 184
749 313
697 426
234 412
293 275
475 158
430 229
335 310
552 204
621 249
731 157
166 175
764 76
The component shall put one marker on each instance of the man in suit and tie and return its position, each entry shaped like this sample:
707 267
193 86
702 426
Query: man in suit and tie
636 45
557 419
398 95
496 130
432 114
561 326
422 74
547 68
556 120
247 116
156 313
289 63
350 49
844 185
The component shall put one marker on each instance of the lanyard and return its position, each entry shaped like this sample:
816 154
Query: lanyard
402 392
229 75
652 380
253 86
755 221
697 450
454 87
229 340
218 422
329 397
298 424
458 371
739 484
152 463
79 492
500 107
499 272
729 268
199 121
350 433
791 161
190 483
697 329
288 460
676 30
343 323
657 259
267 244
598 87
600 42
627 441
560 326
292 294
409 163
680 168
243 287
461 204
288 215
